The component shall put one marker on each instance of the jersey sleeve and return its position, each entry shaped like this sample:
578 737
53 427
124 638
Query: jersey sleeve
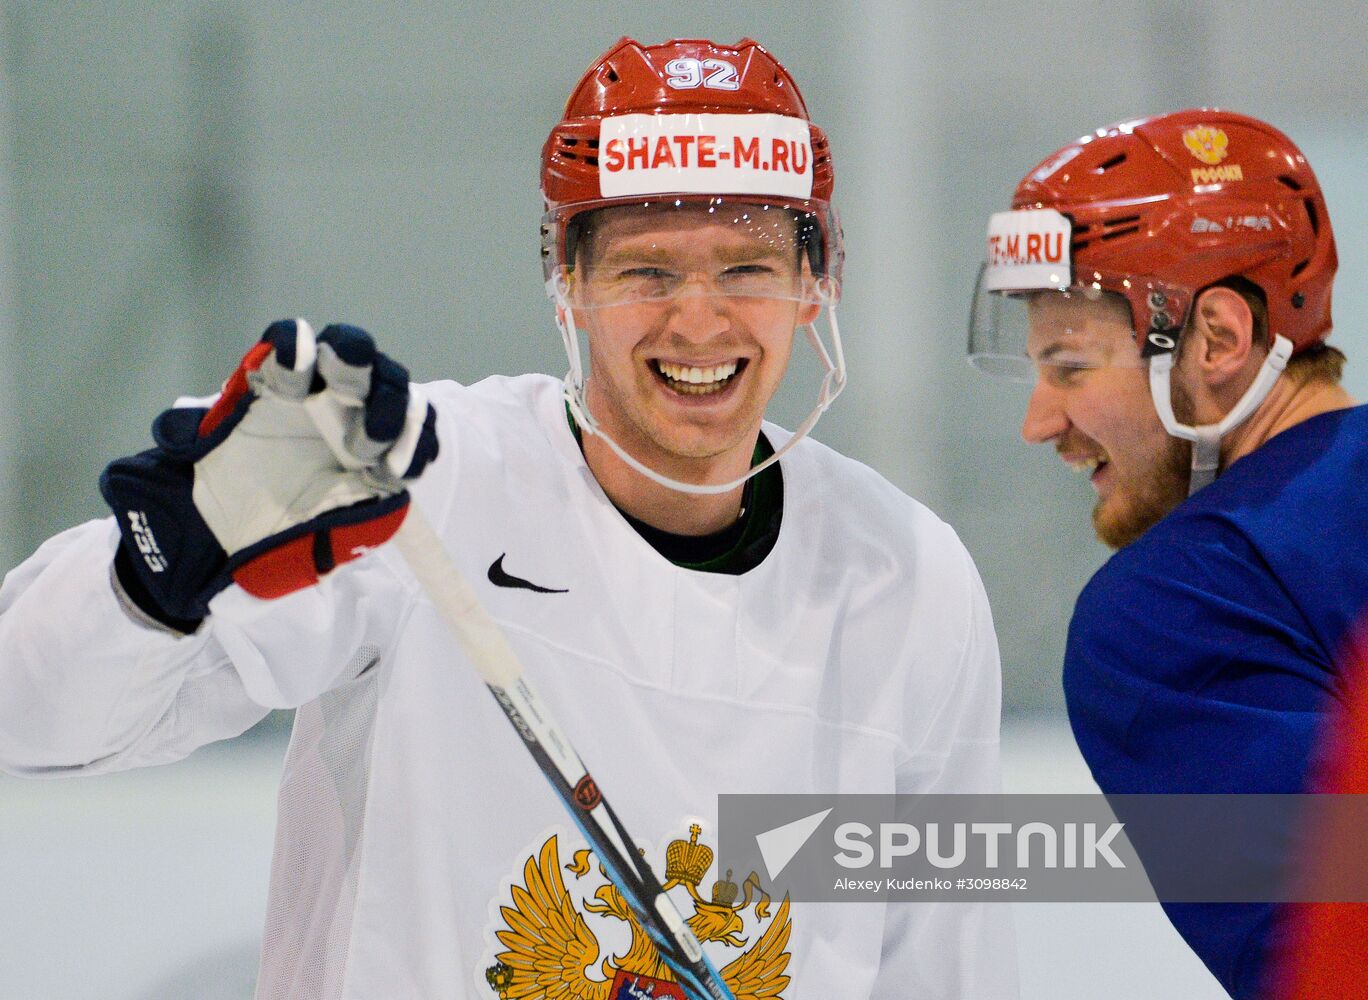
87 685
951 950
1188 670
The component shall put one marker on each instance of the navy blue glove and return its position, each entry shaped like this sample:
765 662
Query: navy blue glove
297 466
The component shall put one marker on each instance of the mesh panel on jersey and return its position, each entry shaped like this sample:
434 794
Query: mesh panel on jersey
321 809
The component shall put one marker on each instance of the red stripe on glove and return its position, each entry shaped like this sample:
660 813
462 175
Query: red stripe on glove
291 566
235 388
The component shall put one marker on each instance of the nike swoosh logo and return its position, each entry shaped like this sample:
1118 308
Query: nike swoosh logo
500 578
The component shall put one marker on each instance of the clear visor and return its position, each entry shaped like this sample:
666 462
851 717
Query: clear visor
658 252
1017 334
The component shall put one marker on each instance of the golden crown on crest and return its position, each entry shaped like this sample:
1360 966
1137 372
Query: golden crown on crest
725 891
688 861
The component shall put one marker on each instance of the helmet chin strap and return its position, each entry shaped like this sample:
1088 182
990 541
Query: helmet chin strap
1206 440
832 383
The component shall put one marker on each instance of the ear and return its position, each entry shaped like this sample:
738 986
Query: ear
807 313
1221 337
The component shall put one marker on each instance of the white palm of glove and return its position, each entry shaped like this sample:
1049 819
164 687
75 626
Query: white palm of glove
296 454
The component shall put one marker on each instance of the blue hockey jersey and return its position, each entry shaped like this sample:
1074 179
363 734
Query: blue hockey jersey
1206 656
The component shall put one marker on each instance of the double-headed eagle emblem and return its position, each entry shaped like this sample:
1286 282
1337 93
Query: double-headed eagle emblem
1206 143
551 952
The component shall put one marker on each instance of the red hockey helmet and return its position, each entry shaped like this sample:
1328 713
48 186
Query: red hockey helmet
1156 210
694 121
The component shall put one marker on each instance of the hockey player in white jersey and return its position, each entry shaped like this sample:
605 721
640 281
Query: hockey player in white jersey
709 603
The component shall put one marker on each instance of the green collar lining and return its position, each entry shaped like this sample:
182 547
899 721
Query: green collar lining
736 548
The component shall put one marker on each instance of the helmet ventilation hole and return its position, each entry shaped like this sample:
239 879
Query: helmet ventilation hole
1300 268
1106 165
1289 182
1311 213
1121 225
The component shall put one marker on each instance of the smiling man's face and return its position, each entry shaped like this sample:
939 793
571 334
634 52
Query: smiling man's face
1092 402
690 316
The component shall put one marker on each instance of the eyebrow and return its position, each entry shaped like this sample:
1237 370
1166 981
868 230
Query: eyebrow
647 252
1051 351
651 253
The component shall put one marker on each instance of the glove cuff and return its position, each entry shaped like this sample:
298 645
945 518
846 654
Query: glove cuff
137 594
171 552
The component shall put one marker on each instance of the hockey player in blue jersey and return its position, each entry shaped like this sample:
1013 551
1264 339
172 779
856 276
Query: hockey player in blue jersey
1166 283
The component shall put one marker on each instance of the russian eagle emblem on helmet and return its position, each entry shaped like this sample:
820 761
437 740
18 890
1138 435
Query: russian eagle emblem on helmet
1206 143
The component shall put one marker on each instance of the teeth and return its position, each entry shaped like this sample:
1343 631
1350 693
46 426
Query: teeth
1086 465
696 390
697 376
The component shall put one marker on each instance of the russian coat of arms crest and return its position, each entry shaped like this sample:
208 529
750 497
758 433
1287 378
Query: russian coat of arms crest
550 931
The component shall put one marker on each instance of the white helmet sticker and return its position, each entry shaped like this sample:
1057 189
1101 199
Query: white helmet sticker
705 154
1028 249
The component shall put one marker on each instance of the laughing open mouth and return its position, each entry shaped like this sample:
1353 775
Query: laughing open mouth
1087 465
688 380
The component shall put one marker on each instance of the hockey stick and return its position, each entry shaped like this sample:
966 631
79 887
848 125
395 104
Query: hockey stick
484 644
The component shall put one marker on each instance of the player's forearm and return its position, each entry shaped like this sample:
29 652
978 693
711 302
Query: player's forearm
80 678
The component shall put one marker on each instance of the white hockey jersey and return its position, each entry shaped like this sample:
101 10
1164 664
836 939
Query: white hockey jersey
419 851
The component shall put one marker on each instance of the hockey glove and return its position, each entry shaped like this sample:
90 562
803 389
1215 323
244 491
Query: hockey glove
296 467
